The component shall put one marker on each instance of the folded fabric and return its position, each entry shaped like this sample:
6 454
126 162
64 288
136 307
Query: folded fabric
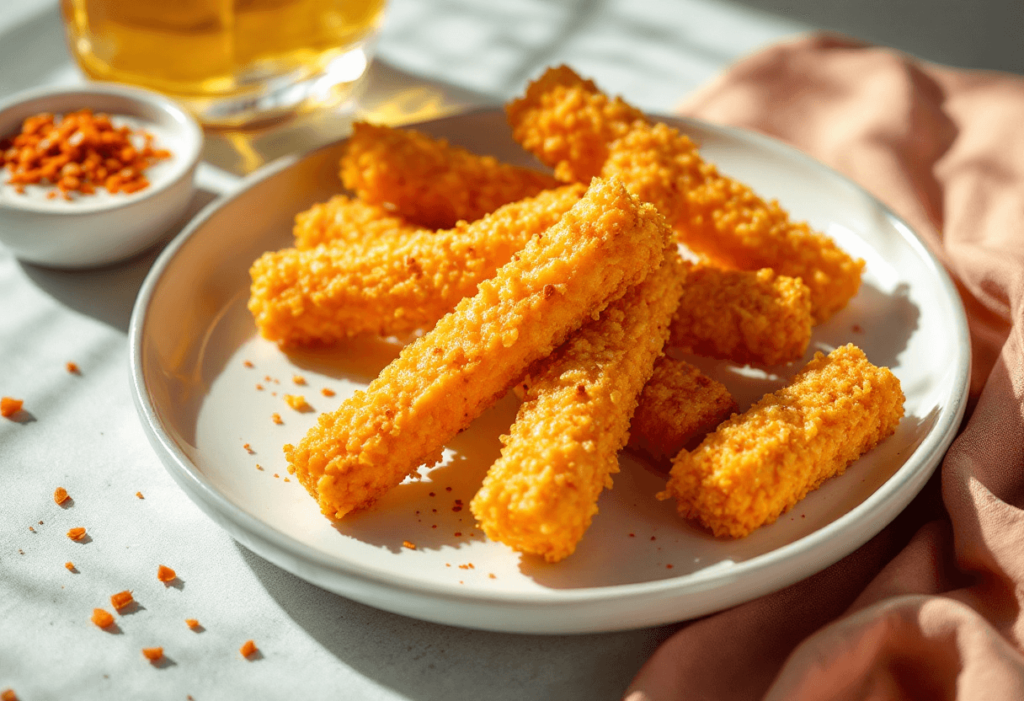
932 606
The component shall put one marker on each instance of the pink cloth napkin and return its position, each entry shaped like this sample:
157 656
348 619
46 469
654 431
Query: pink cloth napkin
931 608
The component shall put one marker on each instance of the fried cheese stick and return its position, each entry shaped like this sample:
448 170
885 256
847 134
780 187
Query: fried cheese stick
343 219
758 464
396 284
742 316
540 496
445 379
570 125
429 182
678 407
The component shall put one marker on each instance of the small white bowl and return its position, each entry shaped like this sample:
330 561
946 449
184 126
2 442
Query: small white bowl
101 228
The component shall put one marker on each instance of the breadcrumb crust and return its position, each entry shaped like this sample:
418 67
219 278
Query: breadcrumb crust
678 407
445 379
742 316
393 285
429 182
758 464
570 125
540 496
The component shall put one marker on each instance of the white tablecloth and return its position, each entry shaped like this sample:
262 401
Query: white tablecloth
81 431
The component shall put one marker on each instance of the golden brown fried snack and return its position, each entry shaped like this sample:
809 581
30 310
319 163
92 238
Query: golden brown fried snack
758 464
442 381
570 125
541 494
393 285
677 408
742 316
429 182
347 220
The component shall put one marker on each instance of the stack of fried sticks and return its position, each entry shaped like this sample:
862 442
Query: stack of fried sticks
569 289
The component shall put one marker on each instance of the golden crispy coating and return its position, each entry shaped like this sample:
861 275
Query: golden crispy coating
396 284
677 408
445 379
758 464
720 218
568 123
429 182
541 494
743 316
344 219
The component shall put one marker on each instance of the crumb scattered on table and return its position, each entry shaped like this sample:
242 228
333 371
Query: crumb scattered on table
76 533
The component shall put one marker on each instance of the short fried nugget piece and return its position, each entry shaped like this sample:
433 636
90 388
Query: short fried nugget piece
758 464
568 123
429 182
540 496
743 316
678 407
445 379
341 219
329 293
716 216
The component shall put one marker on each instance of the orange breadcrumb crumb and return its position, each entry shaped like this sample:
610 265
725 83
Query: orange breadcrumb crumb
153 654
297 402
298 379
569 124
327 392
139 495
429 182
677 408
72 367
60 495
121 599
248 647
70 566
76 533
79 153
541 494
446 378
758 464
8 695
329 293
192 623
407 544
102 618
9 406
165 574
276 418
247 363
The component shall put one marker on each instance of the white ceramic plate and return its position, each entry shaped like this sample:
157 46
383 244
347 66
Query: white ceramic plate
639 564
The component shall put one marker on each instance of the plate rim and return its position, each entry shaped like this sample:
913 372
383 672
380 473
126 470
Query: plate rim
892 497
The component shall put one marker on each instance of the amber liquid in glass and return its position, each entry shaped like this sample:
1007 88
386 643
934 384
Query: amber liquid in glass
232 58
